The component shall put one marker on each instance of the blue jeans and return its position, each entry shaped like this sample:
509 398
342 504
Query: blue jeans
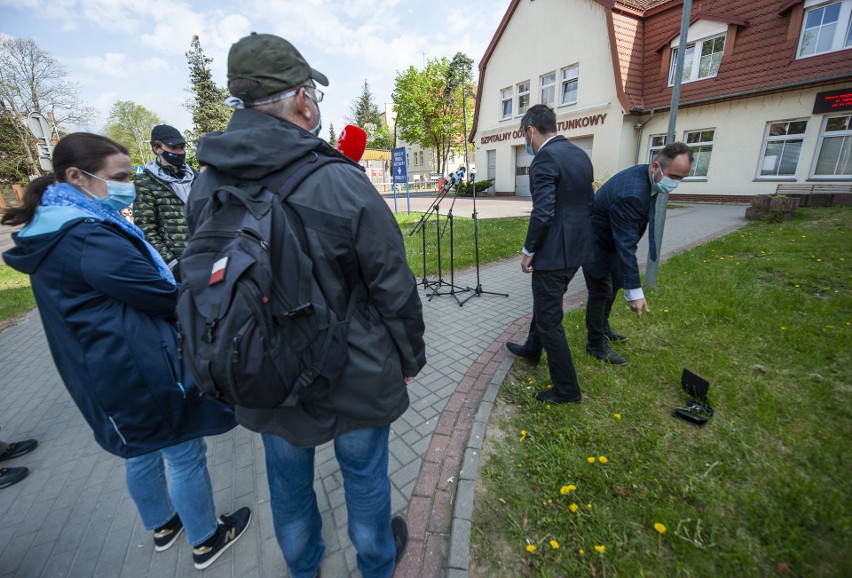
187 491
363 459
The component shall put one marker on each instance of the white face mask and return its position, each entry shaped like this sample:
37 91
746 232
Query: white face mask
316 130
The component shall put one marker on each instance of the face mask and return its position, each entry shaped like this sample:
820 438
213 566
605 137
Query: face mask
316 130
119 195
666 184
528 146
174 159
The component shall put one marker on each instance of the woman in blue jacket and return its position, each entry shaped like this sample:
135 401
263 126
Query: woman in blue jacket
106 299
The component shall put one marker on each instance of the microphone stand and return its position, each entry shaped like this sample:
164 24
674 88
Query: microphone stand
421 226
478 290
451 284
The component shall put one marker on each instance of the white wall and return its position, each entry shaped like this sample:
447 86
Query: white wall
542 37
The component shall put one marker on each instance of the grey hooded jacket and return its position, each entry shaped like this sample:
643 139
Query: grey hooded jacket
357 250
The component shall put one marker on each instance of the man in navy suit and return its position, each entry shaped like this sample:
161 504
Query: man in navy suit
559 240
622 209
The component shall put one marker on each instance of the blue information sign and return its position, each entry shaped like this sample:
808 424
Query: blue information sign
399 166
138 169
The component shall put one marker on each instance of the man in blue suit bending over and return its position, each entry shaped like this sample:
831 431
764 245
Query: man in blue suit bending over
624 205
559 240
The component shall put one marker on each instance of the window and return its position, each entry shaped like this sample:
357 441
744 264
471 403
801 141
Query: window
782 146
827 27
570 78
506 99
548 89
701 143
701 59
658 141
523 97
834 158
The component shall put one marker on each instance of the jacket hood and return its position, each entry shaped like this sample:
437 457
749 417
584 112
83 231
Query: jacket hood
30 251
162 174
256 144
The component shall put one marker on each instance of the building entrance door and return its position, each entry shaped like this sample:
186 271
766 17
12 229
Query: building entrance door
522 172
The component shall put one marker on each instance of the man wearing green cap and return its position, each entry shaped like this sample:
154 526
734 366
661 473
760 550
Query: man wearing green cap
357 251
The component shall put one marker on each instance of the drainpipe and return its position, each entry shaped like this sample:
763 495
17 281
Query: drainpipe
639 126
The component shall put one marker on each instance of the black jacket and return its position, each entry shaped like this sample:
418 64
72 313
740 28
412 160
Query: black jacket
356 246
560 230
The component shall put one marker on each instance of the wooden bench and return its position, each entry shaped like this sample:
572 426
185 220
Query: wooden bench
818 194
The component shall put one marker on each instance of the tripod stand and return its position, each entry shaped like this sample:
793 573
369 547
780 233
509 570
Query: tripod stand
421 226
477 291
451 284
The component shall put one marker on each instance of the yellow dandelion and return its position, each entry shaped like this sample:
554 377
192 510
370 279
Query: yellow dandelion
589 506
616 415
829 326
564 490
523 435
600 549
665 310
549 501
590 459
573 508
797 285
582 551
554 544
783 328
571 487
603 459
819 260
530 548
660 528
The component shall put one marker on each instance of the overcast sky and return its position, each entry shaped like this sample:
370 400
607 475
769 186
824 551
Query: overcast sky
134 50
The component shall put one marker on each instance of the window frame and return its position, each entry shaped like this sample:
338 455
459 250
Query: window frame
521 93
572 79
551 86
503 101
785 138
846 135
842 36
699 144
695 60
654 149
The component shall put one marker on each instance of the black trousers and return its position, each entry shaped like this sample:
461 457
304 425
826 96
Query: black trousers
548 289
602 292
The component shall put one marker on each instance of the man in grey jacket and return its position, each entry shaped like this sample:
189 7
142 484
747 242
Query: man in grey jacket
358 253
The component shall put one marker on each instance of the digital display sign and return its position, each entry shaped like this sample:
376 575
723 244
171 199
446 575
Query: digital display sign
833 101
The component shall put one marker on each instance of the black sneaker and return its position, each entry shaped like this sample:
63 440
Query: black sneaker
400 536
9 476
229 531
166 535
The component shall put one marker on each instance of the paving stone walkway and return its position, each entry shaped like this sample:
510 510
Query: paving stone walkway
73 517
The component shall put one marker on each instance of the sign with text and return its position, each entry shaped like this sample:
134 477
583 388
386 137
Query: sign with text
399 165
833 101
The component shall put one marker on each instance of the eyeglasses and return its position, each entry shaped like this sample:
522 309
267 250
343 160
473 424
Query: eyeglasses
318 94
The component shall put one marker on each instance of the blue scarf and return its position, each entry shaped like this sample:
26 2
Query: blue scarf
65 195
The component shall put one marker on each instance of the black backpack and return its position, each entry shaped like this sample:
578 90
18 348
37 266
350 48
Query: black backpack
255 328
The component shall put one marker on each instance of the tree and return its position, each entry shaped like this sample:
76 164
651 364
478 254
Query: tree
332 136
207 105
14 164
130 124
31 80
429 109
380 138
363 110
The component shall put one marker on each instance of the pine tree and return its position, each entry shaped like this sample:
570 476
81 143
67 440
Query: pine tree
209 111
364 112
332 136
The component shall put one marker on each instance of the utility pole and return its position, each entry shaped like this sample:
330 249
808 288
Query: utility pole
662 200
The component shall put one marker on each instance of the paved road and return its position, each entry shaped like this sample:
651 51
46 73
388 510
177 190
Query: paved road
73 516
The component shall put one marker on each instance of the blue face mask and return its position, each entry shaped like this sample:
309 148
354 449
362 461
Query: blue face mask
119 195
666 184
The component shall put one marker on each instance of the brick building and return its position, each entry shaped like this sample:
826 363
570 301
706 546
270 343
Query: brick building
766 95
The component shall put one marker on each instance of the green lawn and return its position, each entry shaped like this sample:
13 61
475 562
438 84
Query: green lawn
764 314
16 298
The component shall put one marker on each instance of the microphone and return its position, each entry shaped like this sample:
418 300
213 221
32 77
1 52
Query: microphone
352 142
